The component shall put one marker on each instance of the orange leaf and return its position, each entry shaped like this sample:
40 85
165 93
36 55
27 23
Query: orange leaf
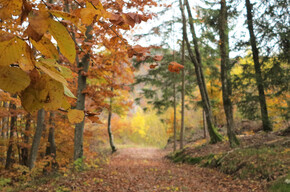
153 66
75 116
95 119
39 22
158 57
175 67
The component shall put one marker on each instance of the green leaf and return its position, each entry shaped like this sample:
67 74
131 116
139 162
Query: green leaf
68 93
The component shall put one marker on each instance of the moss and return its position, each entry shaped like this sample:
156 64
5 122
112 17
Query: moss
257 163
193 160
281 185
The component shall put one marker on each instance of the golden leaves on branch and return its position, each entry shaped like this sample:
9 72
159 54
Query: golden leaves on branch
44 92
9 79
71 18
9 8
75 116
52 72
88 14
15 51
38 23
63 39
46 48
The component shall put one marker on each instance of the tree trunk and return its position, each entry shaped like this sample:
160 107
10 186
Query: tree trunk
225 74
36 138
51 148
111 138
174 115
26 140
265 118
80 105
182 94
204 125
196 60
5 122
9 156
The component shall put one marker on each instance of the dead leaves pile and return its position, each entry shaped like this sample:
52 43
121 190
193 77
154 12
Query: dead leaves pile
136 170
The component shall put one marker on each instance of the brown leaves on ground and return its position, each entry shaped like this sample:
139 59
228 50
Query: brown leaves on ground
145 170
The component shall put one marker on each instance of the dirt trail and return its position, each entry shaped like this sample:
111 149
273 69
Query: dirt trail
146 170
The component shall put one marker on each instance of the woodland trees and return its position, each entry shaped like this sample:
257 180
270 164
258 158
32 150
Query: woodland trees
259 80
216 25
66 63
44 45
225 72
196 60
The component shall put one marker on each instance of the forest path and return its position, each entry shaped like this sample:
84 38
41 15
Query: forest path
146 170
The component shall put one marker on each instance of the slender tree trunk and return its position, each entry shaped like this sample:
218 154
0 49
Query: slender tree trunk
51 147
225 73
9 156
5 122
174 115
36 138
182 94
26 140
196 60
4 126
263 105
204 124
82 83
111 138
80 105
18 137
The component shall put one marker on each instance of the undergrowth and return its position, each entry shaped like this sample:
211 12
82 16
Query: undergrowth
264 163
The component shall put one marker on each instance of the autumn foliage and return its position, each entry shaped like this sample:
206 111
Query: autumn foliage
41 46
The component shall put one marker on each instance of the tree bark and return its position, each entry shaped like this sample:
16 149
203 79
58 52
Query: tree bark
182 93
80 105
259 80
111 137
9 156
225 73
196 60
26 140
51 148
204 125
174 115
5 122
36 138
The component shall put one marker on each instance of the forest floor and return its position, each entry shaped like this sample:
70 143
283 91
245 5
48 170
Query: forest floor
147 170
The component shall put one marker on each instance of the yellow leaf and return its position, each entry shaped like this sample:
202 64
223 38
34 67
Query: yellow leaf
65 71
45 47
9 8
65 104
70 17
44 93
75 116
39 21
26 61
13 79
89 13
63 39
53 73
15 51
